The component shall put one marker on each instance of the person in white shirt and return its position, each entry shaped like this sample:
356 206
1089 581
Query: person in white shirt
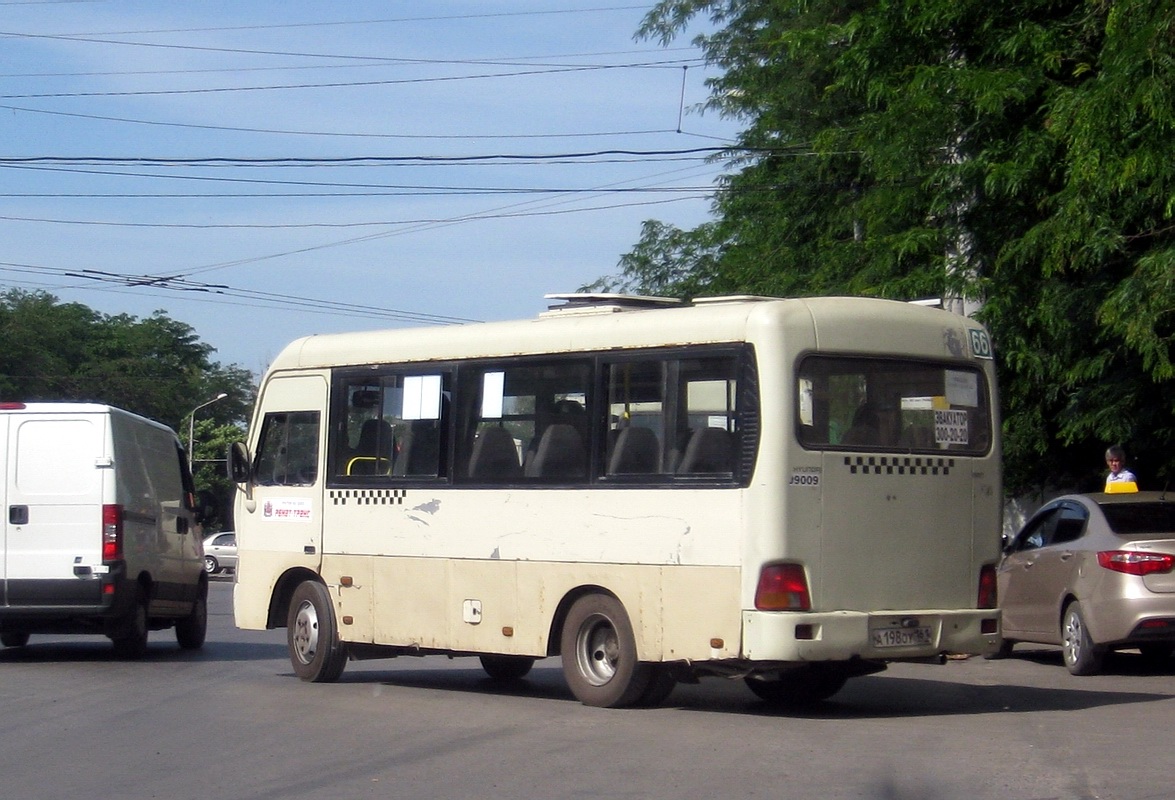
1116 461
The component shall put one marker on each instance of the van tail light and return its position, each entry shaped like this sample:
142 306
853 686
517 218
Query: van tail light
783 587
1135 562
111 532
988 596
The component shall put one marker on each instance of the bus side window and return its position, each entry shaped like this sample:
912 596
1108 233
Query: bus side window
636 419
287 453
709 399
540 407
390 424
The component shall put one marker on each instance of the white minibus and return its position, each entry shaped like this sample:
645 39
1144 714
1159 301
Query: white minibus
790 492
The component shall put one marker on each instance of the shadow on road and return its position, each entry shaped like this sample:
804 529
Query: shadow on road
872 697
159 650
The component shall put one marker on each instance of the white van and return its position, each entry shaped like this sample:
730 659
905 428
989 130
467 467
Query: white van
100 531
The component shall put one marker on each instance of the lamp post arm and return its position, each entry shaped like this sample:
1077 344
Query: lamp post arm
192 426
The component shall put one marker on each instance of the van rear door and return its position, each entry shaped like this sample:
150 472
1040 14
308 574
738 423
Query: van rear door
53 527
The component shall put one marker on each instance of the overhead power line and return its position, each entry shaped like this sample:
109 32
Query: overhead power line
364 161
370 224
364 22
377 62
337 84
181 284
353 134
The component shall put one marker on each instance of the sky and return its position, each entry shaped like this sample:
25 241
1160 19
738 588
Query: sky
263 171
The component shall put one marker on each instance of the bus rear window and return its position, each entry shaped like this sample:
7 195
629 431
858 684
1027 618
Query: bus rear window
892 405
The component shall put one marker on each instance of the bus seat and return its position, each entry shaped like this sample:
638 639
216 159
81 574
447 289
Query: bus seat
495 456
636 451
866 427
560 454
419 450
710 450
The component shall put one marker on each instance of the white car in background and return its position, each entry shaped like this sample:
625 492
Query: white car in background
220 552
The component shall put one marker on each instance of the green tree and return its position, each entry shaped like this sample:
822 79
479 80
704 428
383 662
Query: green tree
156 367
210 449
1008 151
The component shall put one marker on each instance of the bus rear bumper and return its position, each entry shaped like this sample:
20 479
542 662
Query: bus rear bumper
888 636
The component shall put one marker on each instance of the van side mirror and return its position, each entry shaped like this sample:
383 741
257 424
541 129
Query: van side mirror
240 466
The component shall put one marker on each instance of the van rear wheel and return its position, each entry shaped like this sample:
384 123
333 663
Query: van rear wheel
191 630
130 640
316 653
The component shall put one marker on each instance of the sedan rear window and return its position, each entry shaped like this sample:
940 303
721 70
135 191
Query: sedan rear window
1136 518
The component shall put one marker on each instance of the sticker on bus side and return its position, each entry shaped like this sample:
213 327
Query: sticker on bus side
286 509
805 476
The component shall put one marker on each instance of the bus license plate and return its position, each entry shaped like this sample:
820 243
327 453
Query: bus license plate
901 637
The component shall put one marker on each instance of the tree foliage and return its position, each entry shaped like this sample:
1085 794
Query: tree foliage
1014 152
156 367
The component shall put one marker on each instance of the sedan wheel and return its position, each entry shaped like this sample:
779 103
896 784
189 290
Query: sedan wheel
1082 656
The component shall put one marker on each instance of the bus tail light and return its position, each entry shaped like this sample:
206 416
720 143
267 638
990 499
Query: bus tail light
988 596
111 532
1135 562
783 587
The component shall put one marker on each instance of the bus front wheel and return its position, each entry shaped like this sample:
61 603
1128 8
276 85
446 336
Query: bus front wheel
316 653
599 654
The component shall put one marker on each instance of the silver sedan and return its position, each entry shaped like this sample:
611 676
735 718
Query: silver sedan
220 552
1093 573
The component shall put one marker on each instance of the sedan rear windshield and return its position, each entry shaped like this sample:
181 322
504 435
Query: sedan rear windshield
1136 518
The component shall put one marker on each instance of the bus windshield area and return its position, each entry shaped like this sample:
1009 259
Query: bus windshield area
892 405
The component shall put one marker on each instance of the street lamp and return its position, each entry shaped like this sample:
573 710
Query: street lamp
192 425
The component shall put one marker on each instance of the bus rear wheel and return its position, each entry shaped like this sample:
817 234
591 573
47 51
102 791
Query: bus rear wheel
798 688
316 653
14 638
506 668
599 654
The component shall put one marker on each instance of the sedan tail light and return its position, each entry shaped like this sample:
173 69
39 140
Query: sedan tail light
1135 562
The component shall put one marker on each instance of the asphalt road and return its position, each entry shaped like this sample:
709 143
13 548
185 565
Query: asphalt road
231 721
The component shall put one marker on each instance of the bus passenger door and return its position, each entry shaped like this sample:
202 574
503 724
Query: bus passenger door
279 522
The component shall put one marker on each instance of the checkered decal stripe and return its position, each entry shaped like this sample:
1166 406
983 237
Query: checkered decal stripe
898 465
368 497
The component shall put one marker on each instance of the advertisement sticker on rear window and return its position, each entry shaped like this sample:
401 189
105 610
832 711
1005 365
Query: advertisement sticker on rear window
950 427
